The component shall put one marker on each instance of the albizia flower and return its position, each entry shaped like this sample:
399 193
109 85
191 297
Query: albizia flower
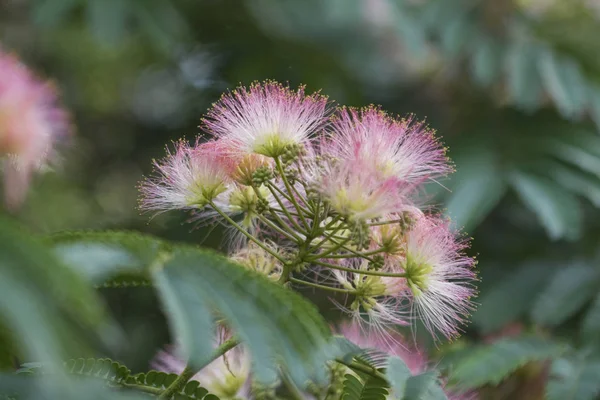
228 376
31 121
439 275
354 189
188 178
403 149
266 118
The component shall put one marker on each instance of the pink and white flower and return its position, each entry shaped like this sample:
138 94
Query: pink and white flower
266 118
228 376
31 122
403 149
354 189
439 276
188 178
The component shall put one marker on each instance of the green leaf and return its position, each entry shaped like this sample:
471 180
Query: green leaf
524 81
558 211
490 364
578 182
45 305
161 380
474 194
579 156
511 297
594 95
24 387
105 256
574 379
372 389
107 19
564 82
194 284
570 288
49 13
486 60
590 327
398 375
424 386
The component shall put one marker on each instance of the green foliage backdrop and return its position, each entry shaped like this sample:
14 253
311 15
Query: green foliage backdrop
512 86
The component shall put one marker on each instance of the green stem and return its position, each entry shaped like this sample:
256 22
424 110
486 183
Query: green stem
189 372
281 231
294 392
283 226
285 274
358 254
360 271
331 250
323 287
245 233
287 197
327 237
178 383
142 388
393 221
285 211
363 368
291 192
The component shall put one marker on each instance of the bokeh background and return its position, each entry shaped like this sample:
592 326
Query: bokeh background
512 87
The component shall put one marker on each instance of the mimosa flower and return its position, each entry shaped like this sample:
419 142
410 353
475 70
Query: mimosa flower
403 149
31 121
188 178
439 276
266 118
355 190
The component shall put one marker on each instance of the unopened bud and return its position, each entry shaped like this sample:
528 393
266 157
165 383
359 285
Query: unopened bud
262 175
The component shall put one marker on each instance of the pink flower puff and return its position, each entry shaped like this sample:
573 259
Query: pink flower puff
31 121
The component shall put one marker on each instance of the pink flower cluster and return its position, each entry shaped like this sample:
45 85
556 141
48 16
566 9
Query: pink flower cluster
331 197
30 123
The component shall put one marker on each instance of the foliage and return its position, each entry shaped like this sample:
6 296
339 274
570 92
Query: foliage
513 90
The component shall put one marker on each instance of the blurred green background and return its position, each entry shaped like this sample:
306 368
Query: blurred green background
512 87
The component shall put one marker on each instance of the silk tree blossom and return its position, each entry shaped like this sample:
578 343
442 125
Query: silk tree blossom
439 275
337 212
403 149
188 178
228 376
354 189
267 118
31 122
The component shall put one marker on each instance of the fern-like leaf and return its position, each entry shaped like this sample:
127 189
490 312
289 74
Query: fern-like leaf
371 389
193 284
492 363
574 379
568 291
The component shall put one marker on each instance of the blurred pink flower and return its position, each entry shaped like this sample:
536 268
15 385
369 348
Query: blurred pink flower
31 121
